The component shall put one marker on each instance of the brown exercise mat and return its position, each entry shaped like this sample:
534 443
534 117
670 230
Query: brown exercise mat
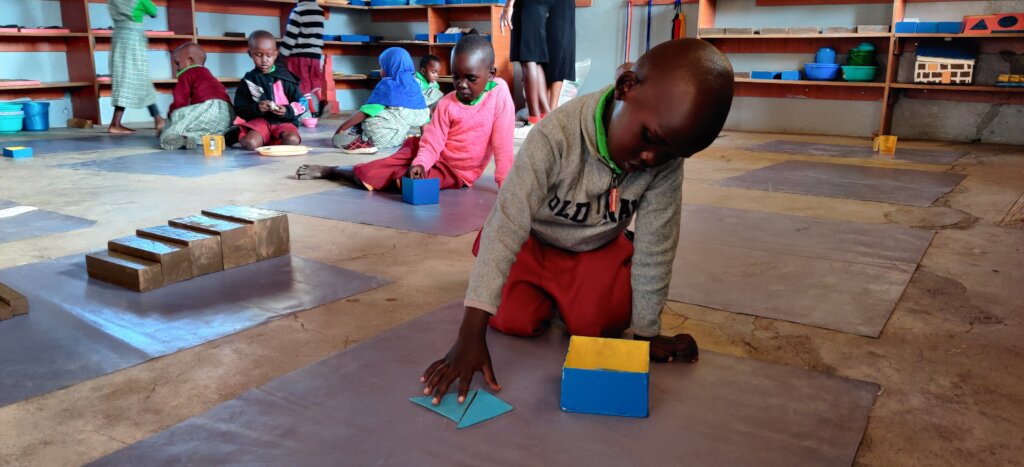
844 276
896 186
931 156
352 409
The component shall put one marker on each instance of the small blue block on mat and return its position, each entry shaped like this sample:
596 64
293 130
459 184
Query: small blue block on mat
422 191
790 75
927 27
906 27
763 74
485 406
950 27
449 407
17 152
606 376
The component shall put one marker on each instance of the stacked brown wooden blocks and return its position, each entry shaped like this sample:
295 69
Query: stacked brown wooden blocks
12 303
220 238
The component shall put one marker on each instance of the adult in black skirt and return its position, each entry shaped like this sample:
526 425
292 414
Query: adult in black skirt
544 44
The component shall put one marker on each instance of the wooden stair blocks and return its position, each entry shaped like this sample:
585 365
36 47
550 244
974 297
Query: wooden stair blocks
12 303
271 227
126 271
237 241
220 238
204 248
175 260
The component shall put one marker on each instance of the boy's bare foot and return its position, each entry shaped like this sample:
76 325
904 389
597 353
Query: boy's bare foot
160 123
311 172
120 130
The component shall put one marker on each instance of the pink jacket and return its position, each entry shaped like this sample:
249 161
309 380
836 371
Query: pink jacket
467 136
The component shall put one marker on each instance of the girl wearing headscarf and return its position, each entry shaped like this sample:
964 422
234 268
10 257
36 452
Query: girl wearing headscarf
395 106
131 85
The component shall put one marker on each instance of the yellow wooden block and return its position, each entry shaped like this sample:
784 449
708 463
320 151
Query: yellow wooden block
596 353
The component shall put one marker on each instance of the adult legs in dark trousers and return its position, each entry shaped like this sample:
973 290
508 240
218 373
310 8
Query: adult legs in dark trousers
561 35
528 25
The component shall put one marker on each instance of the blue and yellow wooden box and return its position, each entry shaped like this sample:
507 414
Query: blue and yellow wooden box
606 376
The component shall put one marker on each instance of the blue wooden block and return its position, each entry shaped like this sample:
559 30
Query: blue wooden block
422 191
605 392
951 27
359 38
927 27
790 75
906 27
452 38
389 2
763 74
17 152
422 37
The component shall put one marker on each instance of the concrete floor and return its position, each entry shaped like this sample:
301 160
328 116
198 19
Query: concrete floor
949 360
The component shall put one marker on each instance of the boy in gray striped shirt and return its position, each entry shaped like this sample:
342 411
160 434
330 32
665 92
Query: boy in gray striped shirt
303 46
555 241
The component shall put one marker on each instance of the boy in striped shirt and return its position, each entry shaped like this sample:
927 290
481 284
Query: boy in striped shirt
303 46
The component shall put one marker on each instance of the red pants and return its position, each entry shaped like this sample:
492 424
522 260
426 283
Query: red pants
382 173
271 132
591 290
310 74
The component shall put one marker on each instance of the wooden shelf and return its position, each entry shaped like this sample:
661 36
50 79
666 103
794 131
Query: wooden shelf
151 38
39 35
804 82
947 87
224 39
795 36
52 85
959 36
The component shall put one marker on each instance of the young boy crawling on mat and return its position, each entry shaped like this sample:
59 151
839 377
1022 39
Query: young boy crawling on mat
201 104
267 99
468 126
555 240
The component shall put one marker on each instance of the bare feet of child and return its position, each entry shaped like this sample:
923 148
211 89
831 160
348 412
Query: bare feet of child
312 172
160 123
120 130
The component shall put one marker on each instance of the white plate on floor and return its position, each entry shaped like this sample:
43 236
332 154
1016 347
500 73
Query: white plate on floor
283 151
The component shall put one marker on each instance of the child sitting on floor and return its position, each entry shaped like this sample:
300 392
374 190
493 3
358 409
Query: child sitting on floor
201 104
555 239
469 126
430 69
267 99
395 106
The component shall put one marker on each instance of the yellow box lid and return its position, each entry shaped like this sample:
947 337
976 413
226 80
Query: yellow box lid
597 353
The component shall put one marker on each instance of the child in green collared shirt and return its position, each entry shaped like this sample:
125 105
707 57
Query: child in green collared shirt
430 69
395 107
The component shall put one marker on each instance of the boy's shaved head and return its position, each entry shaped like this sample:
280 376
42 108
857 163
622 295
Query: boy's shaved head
475 45
193 51
259 35
671 104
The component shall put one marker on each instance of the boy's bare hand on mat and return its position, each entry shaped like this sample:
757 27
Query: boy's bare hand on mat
466 357
416 172
680 347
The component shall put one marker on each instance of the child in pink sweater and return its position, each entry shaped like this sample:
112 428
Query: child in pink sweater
468 127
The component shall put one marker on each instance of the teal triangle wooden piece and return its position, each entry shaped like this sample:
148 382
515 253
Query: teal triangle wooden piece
449 407
485 406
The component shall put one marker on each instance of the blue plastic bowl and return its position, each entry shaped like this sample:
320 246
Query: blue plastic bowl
821 71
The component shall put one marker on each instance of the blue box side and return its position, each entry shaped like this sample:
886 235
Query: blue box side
763 74
927 27
605 392
906 27
422 191
18 153
951 27
790 75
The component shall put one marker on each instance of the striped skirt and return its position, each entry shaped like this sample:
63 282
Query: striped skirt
132 86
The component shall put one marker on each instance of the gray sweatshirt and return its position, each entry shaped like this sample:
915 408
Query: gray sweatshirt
558 190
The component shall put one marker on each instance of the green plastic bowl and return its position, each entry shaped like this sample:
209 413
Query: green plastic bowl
859 73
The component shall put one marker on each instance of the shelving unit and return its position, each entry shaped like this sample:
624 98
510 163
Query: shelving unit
81 43
886 90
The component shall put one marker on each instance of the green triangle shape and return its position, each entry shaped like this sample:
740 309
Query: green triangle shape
449 407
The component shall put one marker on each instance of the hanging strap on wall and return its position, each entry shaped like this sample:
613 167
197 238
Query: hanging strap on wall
679 22
629 30
650 11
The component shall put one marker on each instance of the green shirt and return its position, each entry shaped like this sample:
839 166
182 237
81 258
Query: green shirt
144 7
372 109
424 84
490 85
602 133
